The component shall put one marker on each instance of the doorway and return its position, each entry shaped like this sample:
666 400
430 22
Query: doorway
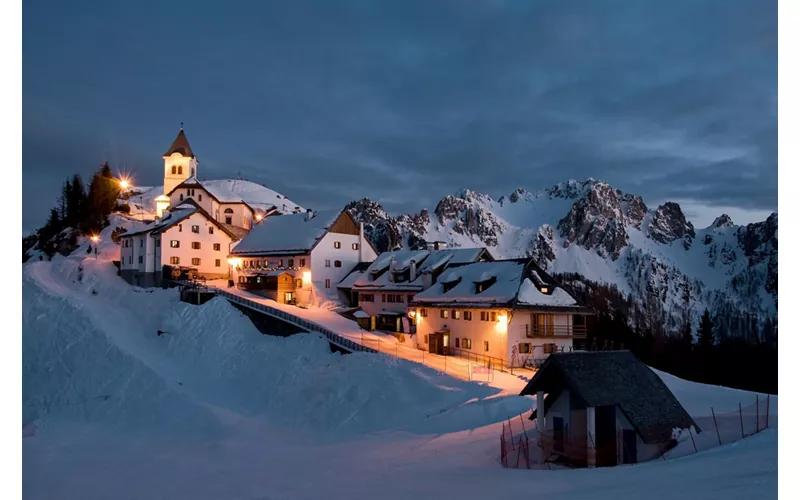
288 297
629 446
605 425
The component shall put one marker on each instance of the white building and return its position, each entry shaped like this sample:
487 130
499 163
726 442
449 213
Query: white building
508 312
385 288
317 249
187 237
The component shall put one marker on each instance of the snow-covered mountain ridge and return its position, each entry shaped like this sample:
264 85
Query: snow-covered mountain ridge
655 256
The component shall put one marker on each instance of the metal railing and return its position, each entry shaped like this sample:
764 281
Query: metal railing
543 331
332 337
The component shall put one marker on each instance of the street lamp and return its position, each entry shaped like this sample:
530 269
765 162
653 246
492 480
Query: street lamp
95 239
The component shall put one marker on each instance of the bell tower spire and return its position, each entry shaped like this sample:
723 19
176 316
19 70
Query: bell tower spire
180 163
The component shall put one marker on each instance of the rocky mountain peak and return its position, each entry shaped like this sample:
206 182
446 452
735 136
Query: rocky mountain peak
519 194
571 189
596 221
723 220
669 224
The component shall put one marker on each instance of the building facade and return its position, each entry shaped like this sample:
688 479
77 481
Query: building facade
186 238
319 248
509 312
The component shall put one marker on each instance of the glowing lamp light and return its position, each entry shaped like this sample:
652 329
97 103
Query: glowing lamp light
124 183
306 276
234 262
94 238
259 217
412 313
502 323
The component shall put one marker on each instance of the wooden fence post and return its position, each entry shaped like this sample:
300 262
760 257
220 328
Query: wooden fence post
691 436
716 426
741 420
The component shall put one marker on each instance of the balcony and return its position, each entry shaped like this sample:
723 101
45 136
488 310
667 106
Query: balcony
555 331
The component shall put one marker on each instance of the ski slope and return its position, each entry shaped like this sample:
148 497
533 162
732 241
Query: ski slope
214 409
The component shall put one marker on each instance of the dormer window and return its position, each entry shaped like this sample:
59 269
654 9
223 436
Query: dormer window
544 290
447 286
482 286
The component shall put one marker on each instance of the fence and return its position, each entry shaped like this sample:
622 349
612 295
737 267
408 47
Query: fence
446 364
332 337
523 446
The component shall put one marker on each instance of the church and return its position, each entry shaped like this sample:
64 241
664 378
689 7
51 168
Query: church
197 222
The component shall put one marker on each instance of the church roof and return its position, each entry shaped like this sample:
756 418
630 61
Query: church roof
180 145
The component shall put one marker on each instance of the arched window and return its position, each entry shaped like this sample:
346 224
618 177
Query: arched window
192 171
181 197
174 170
180 170
200 197
228 210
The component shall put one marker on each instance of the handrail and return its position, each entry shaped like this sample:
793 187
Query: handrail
310 326
550 331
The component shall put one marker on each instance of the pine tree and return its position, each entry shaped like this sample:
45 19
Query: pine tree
686 334
63 201
705 333
76 204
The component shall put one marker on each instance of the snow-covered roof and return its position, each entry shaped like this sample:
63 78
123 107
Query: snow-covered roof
426 260
256 196
507 282
350 279
508 274
286 233
175 215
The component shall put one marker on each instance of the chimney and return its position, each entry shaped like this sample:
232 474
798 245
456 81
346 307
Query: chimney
391 269
427 279
412 275
309 214
360 242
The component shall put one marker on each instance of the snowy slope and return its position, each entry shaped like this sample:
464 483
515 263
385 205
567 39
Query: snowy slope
607 236
214 409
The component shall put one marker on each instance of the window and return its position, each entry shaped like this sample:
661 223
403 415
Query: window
158 242
484 315
195 245
228 220
426 338
467 315
195 261
466 343
327 283
280 263
383 297
200 197
494 316
302 262
210 229
180 228
174 244
457 345
549 348
217 247
355 246
141 243
175 171
486 346
195 229
298 283
456 314
217 263
191 172
367 297
444 313
424 313
337 263
130 259
175 260
180 170
400 299
291 262
228 211
327 262
337 244
141 259
524 348
181 198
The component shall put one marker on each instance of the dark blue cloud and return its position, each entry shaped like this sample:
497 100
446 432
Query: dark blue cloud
407 101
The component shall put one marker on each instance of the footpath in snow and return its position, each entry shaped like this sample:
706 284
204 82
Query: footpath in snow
510 384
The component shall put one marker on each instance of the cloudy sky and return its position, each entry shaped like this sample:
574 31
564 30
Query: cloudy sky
405 102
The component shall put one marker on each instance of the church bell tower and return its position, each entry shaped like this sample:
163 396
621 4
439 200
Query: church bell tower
180 163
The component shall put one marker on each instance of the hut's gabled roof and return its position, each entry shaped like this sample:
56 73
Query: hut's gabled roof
615 378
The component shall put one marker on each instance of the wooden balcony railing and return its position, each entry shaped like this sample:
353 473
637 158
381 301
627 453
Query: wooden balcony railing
544 331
